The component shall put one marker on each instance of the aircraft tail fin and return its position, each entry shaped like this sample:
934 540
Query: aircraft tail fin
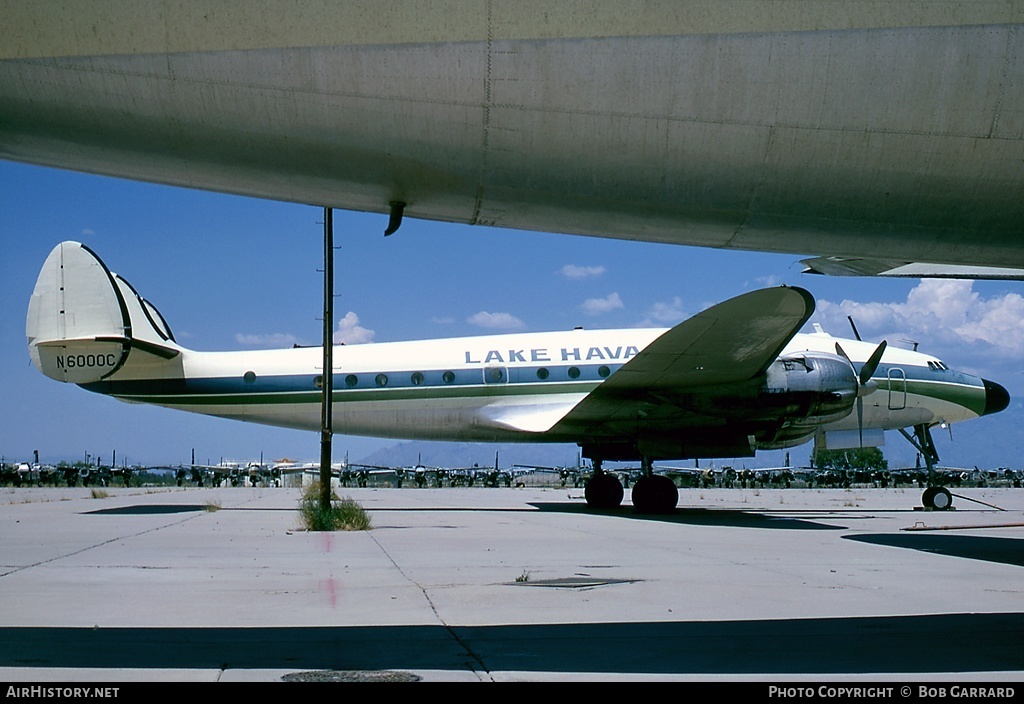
84 322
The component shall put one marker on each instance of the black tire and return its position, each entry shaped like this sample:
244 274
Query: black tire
604 491
937 498
656 494
928 497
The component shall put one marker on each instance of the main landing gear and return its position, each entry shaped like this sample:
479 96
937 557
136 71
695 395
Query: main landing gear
934 498
652 493
603 491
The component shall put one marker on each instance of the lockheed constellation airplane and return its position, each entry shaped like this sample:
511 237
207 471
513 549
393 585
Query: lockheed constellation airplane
729 381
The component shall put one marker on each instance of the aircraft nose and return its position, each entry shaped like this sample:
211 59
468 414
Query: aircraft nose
997 398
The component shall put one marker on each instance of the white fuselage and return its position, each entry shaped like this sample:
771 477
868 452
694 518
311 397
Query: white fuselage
499 388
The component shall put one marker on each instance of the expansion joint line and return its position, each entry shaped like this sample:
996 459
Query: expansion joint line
57 558
451 631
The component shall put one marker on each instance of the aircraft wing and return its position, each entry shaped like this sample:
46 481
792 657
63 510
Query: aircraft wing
683 470
374 468
217 468
731 342
864 266
788 127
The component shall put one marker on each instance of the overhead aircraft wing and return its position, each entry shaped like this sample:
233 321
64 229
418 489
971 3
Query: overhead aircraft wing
727 343
864 266
785 127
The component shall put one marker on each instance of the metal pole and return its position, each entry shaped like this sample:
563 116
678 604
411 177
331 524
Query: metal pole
326 430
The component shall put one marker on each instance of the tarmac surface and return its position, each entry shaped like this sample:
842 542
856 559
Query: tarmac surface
510 584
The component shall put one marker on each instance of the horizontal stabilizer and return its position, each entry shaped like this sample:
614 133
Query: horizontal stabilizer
860 266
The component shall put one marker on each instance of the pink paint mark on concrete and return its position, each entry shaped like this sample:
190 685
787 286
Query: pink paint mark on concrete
329 586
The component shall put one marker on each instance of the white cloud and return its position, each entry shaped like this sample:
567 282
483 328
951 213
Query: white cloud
349 332
573 271
943 310
273 340
598 306
1000 322
88 233
496 321
668 312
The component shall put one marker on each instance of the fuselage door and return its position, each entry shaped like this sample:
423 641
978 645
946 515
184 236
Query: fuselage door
897 389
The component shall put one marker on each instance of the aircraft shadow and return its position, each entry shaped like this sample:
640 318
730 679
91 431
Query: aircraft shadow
1009 551
697 516
837 646
684 516
147 509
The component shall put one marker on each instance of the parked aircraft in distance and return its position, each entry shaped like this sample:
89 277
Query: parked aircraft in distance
418 473
729 381
882 138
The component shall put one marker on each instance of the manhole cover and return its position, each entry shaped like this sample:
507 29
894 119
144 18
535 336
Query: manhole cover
351 676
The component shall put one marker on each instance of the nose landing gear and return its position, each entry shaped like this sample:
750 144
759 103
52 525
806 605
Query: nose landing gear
934 498
937 498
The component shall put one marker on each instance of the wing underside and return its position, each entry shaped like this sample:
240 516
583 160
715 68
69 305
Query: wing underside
866 266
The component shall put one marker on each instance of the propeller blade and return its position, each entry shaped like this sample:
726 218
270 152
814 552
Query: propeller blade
871 365
860 419
863 378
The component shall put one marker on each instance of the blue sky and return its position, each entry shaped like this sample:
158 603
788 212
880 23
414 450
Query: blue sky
229 272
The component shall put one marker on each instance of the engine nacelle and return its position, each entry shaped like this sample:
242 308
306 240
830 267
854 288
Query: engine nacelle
798 391
810 388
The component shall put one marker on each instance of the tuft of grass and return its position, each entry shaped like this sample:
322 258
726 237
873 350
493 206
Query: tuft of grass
99 494
212 506
343 514
524 577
